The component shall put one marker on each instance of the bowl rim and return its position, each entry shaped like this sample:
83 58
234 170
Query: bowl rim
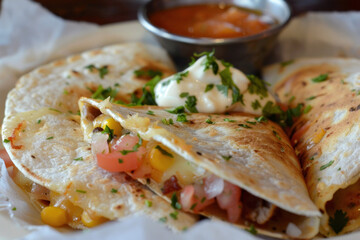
145 22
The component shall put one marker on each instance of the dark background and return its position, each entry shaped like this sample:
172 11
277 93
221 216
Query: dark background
110 11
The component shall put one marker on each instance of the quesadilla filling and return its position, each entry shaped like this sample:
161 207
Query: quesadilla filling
190 187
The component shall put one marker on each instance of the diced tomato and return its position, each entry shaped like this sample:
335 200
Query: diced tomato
4 156
229 200
117 162
193 198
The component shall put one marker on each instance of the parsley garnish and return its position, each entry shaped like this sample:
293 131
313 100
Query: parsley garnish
163 219
208 121
326 165
339 221
210 61
184 94
209 87
193 206
102 70
120 160
226 158
135 148
80 191
228 120
108 131
320 78
285 63
257 86
147 73
256 104
276 134
167 122
179 109
244 125
190 104
65 92
79 159
174 202
148 203
310 98
49 138
113 190
38 121
261 119
181 118
291 99
174 215
252 230
148 94
228 83
6 140
252 123
179 76
150 112
163 151
103 94
14 209
307 109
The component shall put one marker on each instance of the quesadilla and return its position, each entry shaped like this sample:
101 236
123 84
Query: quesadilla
235 167
49 168
326 135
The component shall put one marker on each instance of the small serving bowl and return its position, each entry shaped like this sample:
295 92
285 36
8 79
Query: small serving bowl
246 53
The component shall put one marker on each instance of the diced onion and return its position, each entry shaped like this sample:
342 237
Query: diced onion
213 186
292 230
99 143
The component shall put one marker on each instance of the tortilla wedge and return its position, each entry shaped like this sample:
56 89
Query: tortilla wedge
260 159
326 138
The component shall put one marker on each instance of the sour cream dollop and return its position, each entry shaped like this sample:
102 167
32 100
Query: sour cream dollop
208 89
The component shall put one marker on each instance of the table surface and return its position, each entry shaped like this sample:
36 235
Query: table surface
111 11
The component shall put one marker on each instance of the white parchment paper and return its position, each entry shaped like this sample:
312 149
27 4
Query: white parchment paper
31 36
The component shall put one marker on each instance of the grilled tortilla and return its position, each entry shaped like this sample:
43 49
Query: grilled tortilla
326 136
255 156
46 165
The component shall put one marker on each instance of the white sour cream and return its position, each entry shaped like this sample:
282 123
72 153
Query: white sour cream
167 91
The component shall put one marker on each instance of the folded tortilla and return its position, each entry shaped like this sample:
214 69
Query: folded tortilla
326 136
259 159
41 117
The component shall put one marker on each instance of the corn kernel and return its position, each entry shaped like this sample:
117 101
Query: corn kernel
54 216
90 220
156 175
112 124
318 135
160 161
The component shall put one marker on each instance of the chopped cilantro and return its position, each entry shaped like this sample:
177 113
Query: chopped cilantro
276 134
120 160
310 98
307 109
108 131
256 104
167 122
13 209
210 61
163 219
49 138
291 99
148 93
342 81
257 86
179 76
148 203
113 190
339 221
163 151
271 108
80 191
102 70
228 120
326 165
244 125
190 104
209 87
177 110
174 202
285 63
135 148
223 89
203 200
38 121
283 118
261 119
174 215
65 92
181 118
150 112
184 95
252 123
79 159
147 73
193 206
320 78
103 94
6 140
226 158
228 83
208 121
252 230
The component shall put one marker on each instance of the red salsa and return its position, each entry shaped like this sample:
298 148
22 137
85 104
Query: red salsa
211 21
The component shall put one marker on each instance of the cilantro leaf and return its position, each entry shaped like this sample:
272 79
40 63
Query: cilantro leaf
210 61
320 78
181 118
174 202
339 221
103 94
209 87
184 95
257 86
148 93
150 73
256 104
108 131
164 152
326 165
177 110
190 104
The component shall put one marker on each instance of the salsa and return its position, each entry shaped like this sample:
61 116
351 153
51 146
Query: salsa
211 21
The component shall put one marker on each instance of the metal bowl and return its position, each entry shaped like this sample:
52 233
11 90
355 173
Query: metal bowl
246 53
